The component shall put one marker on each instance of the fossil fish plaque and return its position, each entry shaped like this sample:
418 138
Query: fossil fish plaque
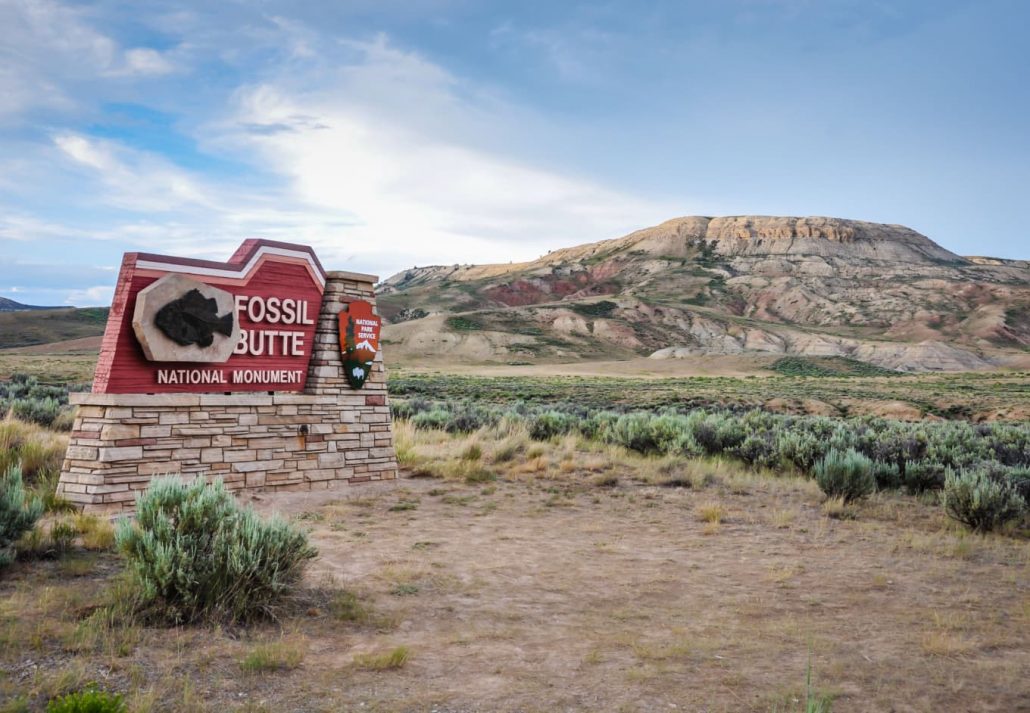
178 319
359 341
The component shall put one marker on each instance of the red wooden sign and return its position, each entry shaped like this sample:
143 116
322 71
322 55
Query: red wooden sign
359 341
202 326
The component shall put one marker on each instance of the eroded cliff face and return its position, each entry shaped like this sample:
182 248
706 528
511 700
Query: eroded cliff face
850 239
738 284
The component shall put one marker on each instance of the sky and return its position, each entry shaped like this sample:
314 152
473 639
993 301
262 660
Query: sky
392 133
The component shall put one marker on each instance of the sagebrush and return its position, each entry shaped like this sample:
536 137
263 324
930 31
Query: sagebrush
19 511
28 400
976 499
193 553
901 454
847 475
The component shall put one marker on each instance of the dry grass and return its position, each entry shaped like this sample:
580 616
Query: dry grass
944 643
837 509
383 661
96 534
274 656
711 512
783 519
37 450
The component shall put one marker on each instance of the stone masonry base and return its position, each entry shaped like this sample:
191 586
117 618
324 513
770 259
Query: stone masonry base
258 442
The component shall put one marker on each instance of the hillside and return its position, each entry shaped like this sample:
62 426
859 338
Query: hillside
881 294
26 328
8 305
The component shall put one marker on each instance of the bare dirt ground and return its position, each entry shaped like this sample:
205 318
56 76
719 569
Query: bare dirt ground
701 365
574 583
525 596
83 345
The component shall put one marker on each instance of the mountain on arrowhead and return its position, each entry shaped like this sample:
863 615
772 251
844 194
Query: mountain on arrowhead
883 294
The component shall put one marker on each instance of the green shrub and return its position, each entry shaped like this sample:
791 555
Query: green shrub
598 426
41 411
716 433
670 434
468 417
662 434
88 701
464 324
19 512
549 424
1016 476
634 431
845 474
757 450
975 499
921 476
798 448
886 475
30 401
603 308
432 419
194 553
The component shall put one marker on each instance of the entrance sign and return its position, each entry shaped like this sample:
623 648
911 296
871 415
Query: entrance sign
181 325
359 341
243 370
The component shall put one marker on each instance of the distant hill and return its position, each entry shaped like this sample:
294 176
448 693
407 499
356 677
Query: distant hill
7 305
29 327
817 287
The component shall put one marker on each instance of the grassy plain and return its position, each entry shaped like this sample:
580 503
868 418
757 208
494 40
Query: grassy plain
794 385
565 575
972 395
55 369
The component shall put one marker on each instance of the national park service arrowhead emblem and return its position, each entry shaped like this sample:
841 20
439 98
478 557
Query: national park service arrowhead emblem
359 341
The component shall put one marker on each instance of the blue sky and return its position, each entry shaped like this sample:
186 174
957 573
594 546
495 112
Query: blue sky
392 133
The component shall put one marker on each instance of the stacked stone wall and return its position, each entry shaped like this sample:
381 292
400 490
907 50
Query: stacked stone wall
329 434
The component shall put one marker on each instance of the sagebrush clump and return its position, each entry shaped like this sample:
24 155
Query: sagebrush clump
193 553
28 400
847 475
19 512
979 501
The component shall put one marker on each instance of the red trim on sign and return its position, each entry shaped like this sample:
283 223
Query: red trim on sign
237 262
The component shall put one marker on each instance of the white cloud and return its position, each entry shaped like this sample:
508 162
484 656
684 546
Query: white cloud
134 180
100 295
377 157
48 48
394 142
143 60
15 225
